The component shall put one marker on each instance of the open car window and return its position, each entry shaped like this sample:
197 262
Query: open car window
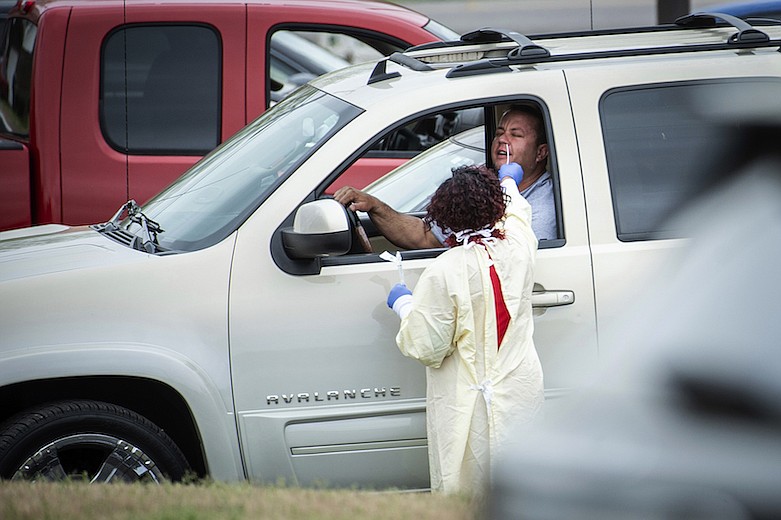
409 187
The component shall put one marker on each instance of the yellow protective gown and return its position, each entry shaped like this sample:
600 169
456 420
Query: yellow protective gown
475 388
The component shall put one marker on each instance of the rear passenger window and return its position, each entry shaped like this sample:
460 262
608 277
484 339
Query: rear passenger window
658 151
160 90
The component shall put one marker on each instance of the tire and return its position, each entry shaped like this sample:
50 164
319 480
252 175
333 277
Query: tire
87 440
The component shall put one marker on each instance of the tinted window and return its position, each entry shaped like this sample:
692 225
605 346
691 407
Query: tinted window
16 67
659 150
170 85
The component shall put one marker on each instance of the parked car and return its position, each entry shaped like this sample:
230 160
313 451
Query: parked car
105 101
232 325
5 7
767 9
294 60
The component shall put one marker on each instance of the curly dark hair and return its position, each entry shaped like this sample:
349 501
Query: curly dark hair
471 199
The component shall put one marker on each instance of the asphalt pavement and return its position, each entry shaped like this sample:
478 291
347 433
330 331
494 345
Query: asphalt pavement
543 16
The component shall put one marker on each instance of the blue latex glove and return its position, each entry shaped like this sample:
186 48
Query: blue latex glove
513 170
396 292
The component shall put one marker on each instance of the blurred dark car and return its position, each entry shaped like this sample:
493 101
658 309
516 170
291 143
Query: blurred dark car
770 9
684 420
5 6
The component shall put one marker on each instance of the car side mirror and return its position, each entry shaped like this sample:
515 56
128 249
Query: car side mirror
320 228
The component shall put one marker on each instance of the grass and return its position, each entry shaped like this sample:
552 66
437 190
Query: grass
219 501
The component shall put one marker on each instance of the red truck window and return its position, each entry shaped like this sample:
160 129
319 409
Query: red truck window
160 89
16 66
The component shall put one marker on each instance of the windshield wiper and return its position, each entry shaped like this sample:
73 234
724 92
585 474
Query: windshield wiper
150 228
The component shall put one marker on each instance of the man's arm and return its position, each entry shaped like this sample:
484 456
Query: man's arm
402 230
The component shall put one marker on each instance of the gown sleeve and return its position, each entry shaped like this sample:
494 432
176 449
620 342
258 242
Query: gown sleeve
519 212
426 333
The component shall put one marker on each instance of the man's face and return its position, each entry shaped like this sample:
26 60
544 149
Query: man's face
517 137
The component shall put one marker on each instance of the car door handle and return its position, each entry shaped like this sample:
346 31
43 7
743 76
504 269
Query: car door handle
552 298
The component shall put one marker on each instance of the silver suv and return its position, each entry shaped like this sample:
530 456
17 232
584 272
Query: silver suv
233 326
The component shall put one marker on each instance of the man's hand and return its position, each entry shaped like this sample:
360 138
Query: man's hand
356 200
402 230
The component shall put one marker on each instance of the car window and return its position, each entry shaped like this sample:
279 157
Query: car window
16 69
658 150
409 187
160 89
421 134
5 6
297 57
298 54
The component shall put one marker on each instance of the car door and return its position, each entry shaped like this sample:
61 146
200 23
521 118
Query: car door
646 149
322 394
170 86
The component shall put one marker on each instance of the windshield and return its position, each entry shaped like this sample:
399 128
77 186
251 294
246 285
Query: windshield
216 195
409 187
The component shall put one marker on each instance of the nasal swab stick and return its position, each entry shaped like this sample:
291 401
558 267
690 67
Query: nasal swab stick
507 151
395 260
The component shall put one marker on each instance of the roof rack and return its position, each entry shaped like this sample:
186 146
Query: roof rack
527 52
484 35
746 32
380 73
490 34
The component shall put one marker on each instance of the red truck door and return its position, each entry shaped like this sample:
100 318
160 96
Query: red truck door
15 195
358 32
166 86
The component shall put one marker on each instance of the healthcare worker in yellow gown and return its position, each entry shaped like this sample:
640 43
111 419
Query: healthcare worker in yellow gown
469 321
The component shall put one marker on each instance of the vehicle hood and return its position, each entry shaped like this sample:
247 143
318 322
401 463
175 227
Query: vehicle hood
52 249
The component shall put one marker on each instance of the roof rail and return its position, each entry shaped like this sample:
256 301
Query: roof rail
493 65
528 53
526 47
484 35
381 74
746 33
409 62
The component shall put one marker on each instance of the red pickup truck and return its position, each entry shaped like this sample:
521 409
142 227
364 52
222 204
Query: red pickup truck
102 102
